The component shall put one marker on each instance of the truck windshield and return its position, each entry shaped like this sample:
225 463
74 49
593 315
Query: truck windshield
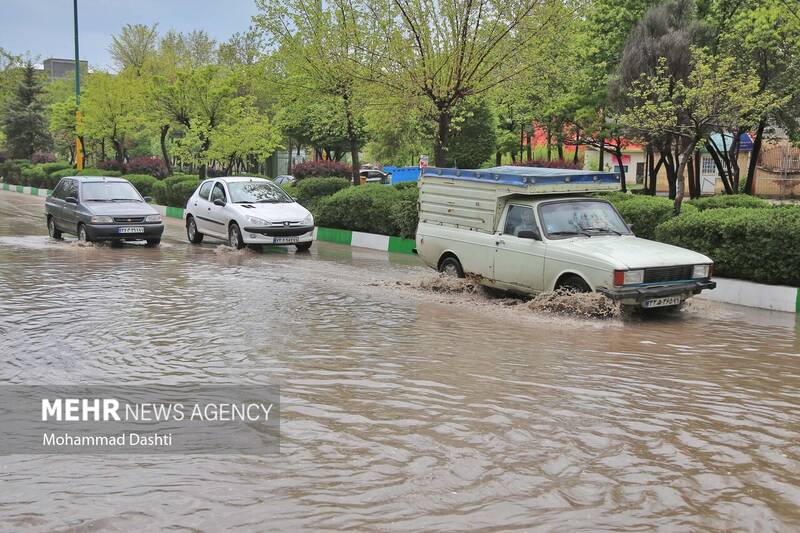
581 217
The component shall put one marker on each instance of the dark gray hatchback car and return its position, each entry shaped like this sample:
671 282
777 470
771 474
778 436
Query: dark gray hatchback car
101 209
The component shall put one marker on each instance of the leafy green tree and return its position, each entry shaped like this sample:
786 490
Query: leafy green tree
134 47
63 126
472 139
24 121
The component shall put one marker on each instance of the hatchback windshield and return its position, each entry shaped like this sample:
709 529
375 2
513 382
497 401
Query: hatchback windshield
582 217
253 192
109 191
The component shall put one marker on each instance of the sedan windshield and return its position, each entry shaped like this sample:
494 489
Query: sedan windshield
109 191
253 192
581 217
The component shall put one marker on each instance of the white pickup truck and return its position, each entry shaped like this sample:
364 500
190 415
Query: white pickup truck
529 230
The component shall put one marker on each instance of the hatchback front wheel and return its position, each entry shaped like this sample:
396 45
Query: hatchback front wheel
235 236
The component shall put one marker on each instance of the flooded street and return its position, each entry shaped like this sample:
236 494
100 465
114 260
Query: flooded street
401 409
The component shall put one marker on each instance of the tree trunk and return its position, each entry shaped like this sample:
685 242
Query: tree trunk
442 134
577 144
289 152
683 160
692 183
521 140
623 186
498 158
352 137
529 148
751 168
164 152
601 162
715 155
549 142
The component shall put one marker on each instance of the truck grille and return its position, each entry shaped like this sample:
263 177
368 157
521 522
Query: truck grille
670 273
128 220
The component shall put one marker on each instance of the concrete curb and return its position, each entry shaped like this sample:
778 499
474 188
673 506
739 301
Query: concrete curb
751 294
372 241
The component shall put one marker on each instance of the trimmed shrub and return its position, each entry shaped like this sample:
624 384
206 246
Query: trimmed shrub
153 166
144 183
645 212
404 212
58 165
85 172
729 200
34 176
322 169
365 208
406 185
175 195
310 190
11 170
111 164
761 245
43 157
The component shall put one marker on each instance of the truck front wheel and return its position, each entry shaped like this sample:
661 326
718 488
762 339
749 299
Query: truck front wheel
450 266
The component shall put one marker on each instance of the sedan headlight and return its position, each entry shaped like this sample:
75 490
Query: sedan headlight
257 221
102 220
309 220
153 218
701 271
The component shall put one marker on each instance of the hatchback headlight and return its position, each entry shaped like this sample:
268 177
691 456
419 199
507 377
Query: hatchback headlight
102 220
153 218
257 221
701 271
309 220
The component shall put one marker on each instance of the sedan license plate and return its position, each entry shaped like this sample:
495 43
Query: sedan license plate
130 229
662 302
284 240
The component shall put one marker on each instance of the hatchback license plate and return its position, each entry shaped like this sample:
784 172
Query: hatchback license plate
130 229
662 302
284 240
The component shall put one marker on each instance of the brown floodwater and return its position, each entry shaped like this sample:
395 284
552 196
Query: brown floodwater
403 408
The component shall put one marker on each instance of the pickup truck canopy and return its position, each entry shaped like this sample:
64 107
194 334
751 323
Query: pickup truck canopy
474 199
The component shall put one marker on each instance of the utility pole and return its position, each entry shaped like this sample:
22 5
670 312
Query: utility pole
78 143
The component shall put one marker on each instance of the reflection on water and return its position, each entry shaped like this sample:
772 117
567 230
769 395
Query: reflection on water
401 409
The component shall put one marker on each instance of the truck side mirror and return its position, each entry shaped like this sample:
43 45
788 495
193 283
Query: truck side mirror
528 234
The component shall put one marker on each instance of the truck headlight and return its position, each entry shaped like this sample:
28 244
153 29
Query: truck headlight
701 271
153 218
257 221
309 220
628 277
102 219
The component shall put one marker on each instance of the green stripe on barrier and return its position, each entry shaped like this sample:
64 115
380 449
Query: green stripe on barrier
174 212
338 236
401 246
49 192
34 191
797 302
20 188
6 187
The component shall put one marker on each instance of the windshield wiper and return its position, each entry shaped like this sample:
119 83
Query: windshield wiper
602 229
570 233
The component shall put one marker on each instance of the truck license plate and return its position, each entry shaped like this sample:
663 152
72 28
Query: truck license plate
130 229
662 302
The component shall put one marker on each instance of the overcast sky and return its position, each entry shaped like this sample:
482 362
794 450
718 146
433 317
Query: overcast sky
44 27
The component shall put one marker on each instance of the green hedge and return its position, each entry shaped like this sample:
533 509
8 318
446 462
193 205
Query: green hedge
175 190
144 183
405 212
310 190
645 212
364 208
58 165
761 245
729 200
58 174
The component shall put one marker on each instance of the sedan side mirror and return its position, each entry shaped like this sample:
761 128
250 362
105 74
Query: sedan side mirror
71 200
528 234
220 202
148 199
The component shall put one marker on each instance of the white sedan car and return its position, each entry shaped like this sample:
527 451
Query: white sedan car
243 210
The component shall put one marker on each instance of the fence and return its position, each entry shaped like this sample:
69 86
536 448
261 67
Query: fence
400 174
778 171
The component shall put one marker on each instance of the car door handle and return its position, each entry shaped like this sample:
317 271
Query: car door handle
500 241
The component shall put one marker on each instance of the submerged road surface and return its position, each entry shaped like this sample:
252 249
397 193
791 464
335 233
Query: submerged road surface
401 409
